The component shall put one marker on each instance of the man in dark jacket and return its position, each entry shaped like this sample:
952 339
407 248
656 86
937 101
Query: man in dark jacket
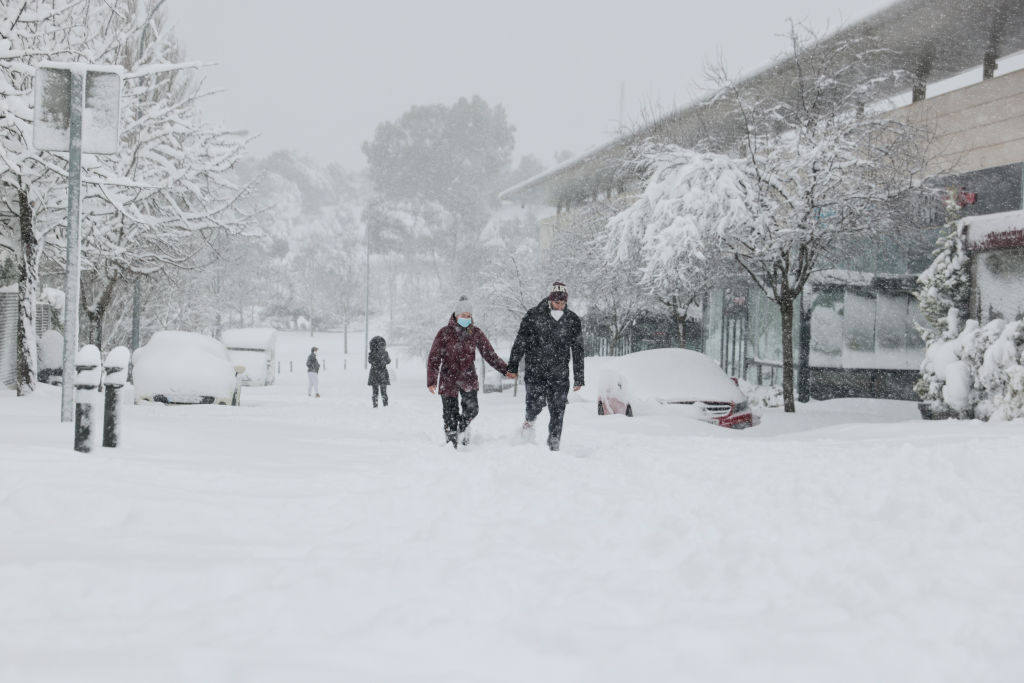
549 335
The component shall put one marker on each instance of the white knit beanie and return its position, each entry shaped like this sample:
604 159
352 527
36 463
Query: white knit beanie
463 305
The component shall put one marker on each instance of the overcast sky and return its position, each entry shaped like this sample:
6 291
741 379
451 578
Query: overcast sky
317 76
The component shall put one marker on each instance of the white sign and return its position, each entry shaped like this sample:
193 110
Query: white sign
101 114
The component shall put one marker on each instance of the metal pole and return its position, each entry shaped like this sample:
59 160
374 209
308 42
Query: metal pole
136 313
72 277
366 309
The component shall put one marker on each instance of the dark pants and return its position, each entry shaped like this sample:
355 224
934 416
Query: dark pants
383 393
453 421
554 395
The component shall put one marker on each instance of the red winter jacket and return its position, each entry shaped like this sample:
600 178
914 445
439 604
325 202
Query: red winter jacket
453 356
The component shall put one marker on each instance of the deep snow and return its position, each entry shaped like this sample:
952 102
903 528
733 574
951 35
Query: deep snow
300 539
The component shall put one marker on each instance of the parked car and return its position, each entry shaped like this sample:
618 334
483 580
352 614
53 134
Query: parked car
668 379
185 367
256 349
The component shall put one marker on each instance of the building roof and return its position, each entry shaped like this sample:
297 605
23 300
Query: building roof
951 36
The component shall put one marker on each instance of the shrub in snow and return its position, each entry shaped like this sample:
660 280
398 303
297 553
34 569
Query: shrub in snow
979 373
764 396
1001 375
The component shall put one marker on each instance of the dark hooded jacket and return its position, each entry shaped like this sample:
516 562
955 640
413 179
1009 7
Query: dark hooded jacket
451 366
547 345
378 359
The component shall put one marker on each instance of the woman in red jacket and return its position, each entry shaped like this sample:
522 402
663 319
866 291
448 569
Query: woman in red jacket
451 370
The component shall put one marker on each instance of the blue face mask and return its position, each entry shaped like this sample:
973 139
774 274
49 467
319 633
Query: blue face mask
465 322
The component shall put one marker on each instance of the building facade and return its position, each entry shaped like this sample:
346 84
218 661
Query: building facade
857 329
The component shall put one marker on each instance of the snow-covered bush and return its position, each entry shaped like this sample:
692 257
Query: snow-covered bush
1001 376
944 295
979 373
969 370
762 396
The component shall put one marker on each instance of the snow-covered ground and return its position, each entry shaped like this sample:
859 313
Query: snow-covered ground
300 539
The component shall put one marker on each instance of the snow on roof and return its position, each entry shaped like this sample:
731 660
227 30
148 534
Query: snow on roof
860 278
249 338
995 230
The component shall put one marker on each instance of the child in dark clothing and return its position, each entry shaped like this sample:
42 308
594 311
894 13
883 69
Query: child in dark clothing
378 379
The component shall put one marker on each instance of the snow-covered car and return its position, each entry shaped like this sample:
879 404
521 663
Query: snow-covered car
256 349
185 367
669 379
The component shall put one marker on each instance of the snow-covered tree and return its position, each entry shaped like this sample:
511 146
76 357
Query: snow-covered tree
790 171
944 294
171 180
614 291
142 208
32 189
946 283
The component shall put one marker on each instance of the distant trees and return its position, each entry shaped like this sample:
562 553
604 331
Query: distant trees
303 253
436 172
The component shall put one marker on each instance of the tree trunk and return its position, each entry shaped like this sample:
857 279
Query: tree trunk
786 309
804 378
680 321
96 312
28 293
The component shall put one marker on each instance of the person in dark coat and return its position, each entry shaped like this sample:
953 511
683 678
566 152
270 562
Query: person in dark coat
550 335
451 370
313 373
378 359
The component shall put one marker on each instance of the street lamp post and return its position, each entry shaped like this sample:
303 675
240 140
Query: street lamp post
366 308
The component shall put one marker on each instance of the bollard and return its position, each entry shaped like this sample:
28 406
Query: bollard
115 376
290 368
87 381
323 366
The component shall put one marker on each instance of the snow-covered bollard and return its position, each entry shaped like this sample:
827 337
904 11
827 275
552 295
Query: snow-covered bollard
87 381
115 376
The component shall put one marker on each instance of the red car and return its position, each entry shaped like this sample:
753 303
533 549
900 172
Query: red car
669 379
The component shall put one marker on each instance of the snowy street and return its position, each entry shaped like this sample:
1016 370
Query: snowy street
311 539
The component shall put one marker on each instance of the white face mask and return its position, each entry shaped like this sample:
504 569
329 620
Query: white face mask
557 315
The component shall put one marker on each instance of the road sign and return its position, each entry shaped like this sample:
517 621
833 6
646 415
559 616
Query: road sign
77 107
51 129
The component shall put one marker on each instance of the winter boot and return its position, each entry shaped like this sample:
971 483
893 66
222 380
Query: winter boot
452 438
464 436
553 443
375 402
526 432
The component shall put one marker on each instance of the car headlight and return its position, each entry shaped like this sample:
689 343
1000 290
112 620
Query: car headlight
740 407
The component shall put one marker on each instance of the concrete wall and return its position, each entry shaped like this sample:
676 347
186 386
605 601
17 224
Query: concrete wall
978 126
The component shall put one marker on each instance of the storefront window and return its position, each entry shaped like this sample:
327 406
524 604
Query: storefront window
999 278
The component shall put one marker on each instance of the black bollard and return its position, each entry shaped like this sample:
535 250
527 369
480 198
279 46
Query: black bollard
115 375
87 381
